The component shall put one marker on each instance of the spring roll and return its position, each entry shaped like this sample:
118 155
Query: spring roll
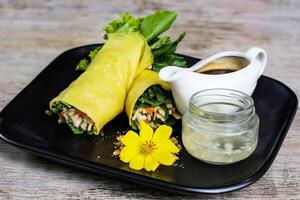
98 95
150 99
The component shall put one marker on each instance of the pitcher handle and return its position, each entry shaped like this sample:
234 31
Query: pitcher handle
260 55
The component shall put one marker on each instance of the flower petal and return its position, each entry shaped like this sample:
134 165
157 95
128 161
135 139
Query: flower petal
168 146
161 134
129 152
151 163
131 138
146 131
163 157
138 162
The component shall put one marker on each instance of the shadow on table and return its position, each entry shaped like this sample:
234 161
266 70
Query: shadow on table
97 185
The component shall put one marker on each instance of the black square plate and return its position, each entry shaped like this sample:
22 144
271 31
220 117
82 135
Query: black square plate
24 124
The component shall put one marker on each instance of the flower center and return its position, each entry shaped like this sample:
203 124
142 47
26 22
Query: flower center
148 147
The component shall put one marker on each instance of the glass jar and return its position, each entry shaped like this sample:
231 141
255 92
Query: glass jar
220 126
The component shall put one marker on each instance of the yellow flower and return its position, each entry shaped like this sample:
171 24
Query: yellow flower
148 150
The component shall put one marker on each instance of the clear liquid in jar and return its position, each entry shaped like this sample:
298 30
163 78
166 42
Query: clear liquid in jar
211 147
213 144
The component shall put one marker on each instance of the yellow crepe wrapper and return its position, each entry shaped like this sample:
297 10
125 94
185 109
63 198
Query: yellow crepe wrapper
140 84
100 91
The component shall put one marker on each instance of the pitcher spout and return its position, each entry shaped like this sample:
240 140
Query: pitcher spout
170 74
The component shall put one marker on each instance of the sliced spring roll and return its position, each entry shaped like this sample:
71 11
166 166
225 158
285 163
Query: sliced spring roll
98 94
150 99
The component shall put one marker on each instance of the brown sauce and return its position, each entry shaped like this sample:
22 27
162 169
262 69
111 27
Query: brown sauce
218 71
224 66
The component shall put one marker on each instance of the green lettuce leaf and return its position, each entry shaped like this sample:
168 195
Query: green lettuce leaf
126 24
157 23
84 63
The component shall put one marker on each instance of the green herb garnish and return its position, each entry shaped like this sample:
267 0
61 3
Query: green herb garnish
151 27
84 63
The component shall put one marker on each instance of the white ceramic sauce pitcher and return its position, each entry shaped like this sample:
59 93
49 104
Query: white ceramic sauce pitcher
186 81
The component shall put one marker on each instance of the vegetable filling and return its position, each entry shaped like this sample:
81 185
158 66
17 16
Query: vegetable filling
155 107
78 121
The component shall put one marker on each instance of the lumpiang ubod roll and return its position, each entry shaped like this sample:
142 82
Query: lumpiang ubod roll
98 95
150 99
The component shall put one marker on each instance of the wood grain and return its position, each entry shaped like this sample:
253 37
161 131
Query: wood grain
33 32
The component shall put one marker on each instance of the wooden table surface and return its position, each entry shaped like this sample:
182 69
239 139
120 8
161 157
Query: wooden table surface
33 32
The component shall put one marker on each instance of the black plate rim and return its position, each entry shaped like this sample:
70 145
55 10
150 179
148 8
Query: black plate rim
99 168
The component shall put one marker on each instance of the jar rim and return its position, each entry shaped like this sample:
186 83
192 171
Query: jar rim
245 101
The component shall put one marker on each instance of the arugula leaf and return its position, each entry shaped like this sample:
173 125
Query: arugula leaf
168 60
159 42
150 101
155 96
157 23
126 24
168 47
163 50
